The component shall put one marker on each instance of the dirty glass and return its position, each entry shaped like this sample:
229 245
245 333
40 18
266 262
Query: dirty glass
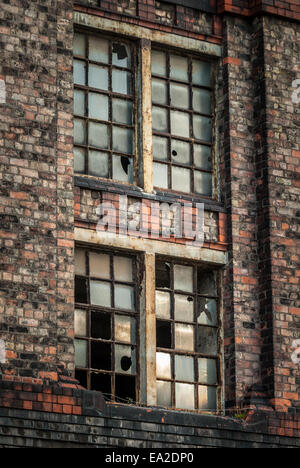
203 157
184 308
202 128
122 140
81 353
79 132
163 365
100 293
160 175
207 369
201 74
98 164
183 278
207 311
80 262
123 269
79 44
207 340
206 282
124 297
121 55
184 337
179 68
159 91
180 124
163 305
98 106
184 396
159 63
99 265
79 72
98 77
202 101
125 360
121 82
98 135
122 169
160 119
98 49
164 393
122 111
207 398
180 96
160 148
80 323
184 368
181 179
79 102
79 160
181 152
203 183
125 329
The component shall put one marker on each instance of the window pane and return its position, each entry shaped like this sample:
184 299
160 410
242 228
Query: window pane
180 96
79 160
181 152
123 269
160 119
98 164
99 265
122 140
79 44
125 361
164 393
207 282
207 371
184 396
123 169
79 132
81 353
101 383
100 293
201 73
163 365
125 329
100 325
159 63
202 128
202 101
159 91
203 183
122 111
80 262
98 135
203 157
184 368
184 337
121 56
184 308
207 311
100 355
98 77
121 82
160 148
98 49
181 179
163 275
183 278
163 304
79 102
80 290
124 297
207 340
79 72
207 398
160 175
163 334
180 124
98 106
80 323
125 389
179 67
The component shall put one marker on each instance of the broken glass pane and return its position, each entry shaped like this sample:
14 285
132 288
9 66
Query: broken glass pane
184 337
123 169
207 311
184 368
181 179
98 77
98 135
179 67
122 140
124 297
80 323
79 72
164 393
121 82
201 73
160 175
123 269
203 157
202 128
203 183
206 282
125 361
202 101
159 91
180 96
159 63
184 396
122 111
79 44
98 49
98 164
180 124
101 383
125 329
163 305
207 371
100 325
163 275
99 265
163 334
184 308
79 160
81 353
121 56
100 293
80 262
163 365
160 148
207 398
207 340
183 278
79 102
98 106
79 132
181 152
125 389
160 119
100 355
80 290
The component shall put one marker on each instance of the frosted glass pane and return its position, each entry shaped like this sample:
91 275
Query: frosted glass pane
98 106
80 262
180 124
163 365
124 297
99 265
80 323
159 91
160 119
179 67
184 308
79 132
202 101
164 393
159 63
207 340
122 140
79 102
202 128
181 179
207 311
79 72
98 135
185 396
203 183
99 164
207 371
98 77
125 329
121 56
181 152
98 49
160 148
201 73
122 111
121 82
207 398
184 368
160 175
123 169
79 160
163 305
123 269
100 293
81 353
207 282
183 278
203 157
79 44
184 337
125 361
180 96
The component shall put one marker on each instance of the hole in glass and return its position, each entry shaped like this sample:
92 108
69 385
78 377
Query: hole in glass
100 325
100 355
163 334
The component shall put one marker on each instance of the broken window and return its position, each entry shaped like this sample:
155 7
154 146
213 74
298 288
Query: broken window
187 327
104 114
182 114
106 323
